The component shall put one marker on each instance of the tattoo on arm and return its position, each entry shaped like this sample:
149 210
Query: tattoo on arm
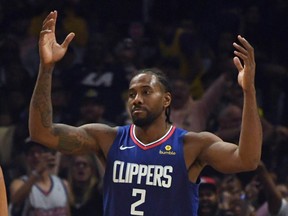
42 99
69 142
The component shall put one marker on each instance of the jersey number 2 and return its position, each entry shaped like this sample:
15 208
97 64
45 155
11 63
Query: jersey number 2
142 193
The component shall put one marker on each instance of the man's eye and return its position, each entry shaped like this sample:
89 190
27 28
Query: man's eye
131 95
147 92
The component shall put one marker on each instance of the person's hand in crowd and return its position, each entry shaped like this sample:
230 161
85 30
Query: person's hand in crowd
47 161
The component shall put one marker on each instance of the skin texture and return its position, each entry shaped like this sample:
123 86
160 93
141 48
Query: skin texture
3 196
147 104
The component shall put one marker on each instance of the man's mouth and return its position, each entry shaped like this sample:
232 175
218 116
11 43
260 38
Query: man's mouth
137 110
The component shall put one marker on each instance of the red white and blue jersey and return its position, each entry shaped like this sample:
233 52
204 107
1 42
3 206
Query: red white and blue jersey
148 179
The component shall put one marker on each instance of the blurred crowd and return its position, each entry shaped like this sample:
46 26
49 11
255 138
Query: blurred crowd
191 41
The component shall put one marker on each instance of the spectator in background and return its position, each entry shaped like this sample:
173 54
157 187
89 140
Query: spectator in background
208 197
233 197
39 192
92 109
7 130
229 123
14 78
85 180
126 57
98 71
13 73
61 99
190 114
276 203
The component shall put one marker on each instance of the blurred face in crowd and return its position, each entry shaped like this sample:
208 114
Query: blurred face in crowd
91 111
34 155
180 93
230 117
208 204
81 169
38 154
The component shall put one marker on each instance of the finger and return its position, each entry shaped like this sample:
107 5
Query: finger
53 24
240 48
237 63
50 22
244 42
47 27
67 40
48 17
247 46
241 55
51 15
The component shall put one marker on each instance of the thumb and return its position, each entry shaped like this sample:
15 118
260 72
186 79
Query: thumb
67 40
237 63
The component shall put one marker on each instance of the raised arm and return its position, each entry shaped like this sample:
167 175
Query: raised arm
64 138
250 142
3 195
273 195
245 156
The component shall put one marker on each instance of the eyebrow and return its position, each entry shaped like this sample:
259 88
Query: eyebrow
144 86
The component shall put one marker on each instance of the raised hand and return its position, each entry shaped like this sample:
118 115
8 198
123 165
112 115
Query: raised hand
49 50
246 71
47 161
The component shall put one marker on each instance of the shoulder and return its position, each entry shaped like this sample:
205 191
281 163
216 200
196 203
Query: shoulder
103 135
100 132
98 127
16 184
66 184
60 180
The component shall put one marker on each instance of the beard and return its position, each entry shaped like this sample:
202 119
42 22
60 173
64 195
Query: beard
145 121
207 209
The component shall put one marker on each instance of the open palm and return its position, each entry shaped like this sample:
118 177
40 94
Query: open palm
50 51
246 71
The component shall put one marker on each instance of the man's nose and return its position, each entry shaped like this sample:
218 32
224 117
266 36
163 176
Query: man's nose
138 99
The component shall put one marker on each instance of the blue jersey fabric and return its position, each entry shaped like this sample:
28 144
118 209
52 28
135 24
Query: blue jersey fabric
150 179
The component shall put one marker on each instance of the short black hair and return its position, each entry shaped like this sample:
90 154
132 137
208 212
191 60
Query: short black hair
29 143
164 81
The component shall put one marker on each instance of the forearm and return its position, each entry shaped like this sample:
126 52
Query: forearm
250 140
3 195
40 112
273 196
19 196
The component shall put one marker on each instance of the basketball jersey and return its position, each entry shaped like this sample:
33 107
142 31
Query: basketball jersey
41 203
148 179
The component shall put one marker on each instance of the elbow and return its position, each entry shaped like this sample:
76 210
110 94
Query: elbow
37 135
34 135
251 165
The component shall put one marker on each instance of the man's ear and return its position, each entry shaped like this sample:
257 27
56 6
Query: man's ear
167 99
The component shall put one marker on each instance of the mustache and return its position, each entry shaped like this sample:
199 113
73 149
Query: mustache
137 107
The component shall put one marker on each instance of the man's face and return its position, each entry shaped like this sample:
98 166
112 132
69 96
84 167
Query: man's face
147 100
208 204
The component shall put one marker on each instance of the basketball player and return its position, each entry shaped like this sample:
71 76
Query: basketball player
152 167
